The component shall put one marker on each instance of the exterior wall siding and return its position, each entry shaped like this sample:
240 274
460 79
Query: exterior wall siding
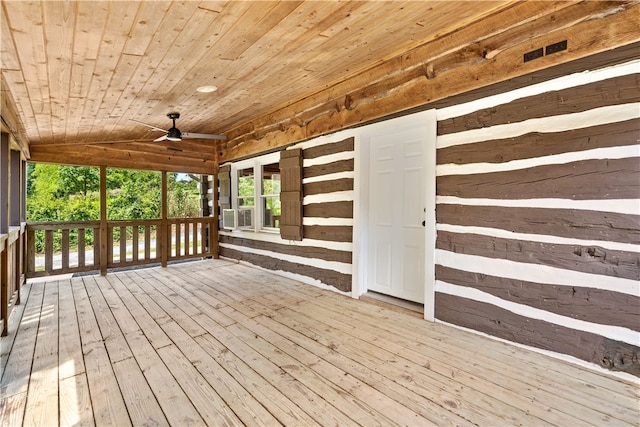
537 212
538 215
324 256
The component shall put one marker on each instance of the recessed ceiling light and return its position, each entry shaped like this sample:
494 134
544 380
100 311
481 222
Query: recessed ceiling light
207 89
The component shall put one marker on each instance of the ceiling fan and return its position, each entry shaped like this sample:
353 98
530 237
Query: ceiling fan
174 134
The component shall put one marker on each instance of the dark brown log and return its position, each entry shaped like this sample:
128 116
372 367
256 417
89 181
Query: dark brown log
492 320
579 224
329 210
582 180
540 144
587 304
302 251
330 277
603 59
587 259
339 166
330 233
619 90
331 148
322 187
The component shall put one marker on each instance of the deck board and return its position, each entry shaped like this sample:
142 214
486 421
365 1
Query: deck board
42 397
566 396
219 343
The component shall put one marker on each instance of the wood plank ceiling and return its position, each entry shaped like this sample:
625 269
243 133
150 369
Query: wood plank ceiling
75 72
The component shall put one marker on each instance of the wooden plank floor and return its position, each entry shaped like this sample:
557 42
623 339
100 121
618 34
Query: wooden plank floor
218 343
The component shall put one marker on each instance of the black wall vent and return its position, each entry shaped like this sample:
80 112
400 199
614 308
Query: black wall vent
550 49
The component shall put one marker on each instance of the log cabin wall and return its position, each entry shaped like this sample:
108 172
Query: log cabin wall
537 212
324 256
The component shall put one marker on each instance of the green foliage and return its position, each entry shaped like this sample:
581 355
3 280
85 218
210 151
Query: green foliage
183 197
71 193
133 194
246 188
82 180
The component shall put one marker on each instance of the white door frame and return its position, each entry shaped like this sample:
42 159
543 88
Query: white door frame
361 203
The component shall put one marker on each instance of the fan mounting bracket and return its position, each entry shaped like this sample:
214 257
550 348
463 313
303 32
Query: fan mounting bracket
173 116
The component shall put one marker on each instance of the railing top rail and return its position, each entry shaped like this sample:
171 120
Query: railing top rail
113 221
190 219
133 222
14 233
57 225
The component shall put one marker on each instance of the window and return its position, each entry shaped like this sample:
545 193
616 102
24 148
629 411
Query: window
246 198
256 193
271 195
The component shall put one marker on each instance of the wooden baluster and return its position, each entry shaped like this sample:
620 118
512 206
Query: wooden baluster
187 229
214 248
81 248
109 246
178 239
147 242
203 236
48 251
96 246
123 244
31 251
65 249
196 225
135 232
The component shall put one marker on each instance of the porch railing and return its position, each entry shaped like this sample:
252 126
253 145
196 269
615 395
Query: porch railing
129 243
11 271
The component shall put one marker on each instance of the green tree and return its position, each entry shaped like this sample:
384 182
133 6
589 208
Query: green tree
44 193
183 197
133 194
78 179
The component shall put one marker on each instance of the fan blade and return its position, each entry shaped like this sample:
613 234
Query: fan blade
148 125
203 136
162 138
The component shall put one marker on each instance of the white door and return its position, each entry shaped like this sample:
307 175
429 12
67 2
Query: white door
396 232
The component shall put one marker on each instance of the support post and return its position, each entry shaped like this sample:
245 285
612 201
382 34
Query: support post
164 224
5 196
14 216
213 231
23 224
104 255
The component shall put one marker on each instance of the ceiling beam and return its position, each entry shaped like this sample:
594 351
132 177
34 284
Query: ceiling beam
115 155
486 52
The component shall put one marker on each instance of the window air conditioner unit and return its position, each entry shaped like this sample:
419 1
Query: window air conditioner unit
229 219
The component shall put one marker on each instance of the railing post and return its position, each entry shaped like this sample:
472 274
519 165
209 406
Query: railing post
213 225
4 287
103 221
164 224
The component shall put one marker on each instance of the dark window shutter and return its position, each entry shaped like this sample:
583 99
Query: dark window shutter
291 194
224 195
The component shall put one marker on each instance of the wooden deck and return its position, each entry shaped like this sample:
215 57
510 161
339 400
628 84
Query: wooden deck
218 343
